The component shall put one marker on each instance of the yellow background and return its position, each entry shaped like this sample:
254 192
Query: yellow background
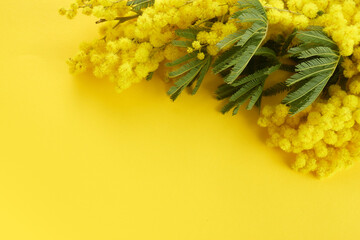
80 162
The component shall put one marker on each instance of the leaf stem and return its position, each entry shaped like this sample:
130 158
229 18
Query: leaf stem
120 19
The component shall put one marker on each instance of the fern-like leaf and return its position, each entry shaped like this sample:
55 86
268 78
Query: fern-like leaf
202 74
249 88
230 39
149 76
312 68
317 37
266 52
255 96
189 33
276 89
245 89
246 42
256 75
183 59
241 63
305 101
295 51
320 59
195 70
287 43
185 68
225 60
318 52
319 80
138 5
184 44
256 29
183 82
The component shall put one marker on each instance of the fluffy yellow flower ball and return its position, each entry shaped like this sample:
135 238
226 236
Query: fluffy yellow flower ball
325 137
196 45
310 10
201 56
354 85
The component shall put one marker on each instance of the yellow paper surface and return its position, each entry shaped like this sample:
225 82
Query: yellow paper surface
81 162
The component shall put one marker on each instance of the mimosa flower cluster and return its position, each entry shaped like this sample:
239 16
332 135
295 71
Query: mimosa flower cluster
325 137
134 43
340 19
342 23
128 52
155 27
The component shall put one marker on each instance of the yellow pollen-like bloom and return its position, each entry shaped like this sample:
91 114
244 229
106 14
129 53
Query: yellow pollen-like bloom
201 56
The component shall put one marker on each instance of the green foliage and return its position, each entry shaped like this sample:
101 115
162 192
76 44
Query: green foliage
138 5
242 83
246 88
248 61
319 59
276 89
183 44
150 76
195 70
285 46
182 59
245 42
186 67
189 33
118 19
317 65
266 52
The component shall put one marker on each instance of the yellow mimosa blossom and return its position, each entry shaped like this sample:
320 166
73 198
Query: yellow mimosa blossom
134 42
325 137
201 56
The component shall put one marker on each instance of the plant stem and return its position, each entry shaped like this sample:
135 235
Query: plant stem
120 19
